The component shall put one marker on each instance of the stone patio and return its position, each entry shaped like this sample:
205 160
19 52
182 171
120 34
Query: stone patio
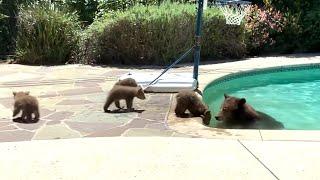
71 98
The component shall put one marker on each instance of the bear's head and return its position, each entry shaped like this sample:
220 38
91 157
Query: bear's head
20 94
140 93
231 108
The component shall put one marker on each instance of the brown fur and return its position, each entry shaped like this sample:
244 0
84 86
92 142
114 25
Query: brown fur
188 100
236 113
127 82
127 93
28 105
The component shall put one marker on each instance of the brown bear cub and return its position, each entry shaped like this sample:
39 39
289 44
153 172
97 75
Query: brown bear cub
236 113
127 82
28 105
188 100
119 92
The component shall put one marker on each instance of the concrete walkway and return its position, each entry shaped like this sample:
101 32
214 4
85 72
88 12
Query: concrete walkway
159 158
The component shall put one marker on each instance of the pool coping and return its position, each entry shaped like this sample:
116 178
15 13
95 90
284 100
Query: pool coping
195 128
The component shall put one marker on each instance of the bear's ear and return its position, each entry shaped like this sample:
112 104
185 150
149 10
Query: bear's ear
226 96
241 101
140 90
27 92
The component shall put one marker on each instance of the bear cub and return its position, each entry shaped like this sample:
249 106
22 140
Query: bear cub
236 113
127 93
28 105
188 100
127 82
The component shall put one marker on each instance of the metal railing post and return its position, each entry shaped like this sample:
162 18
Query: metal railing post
198 40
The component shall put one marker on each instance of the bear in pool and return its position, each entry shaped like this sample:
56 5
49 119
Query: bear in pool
235 113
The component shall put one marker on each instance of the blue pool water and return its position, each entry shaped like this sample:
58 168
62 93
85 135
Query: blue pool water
290 95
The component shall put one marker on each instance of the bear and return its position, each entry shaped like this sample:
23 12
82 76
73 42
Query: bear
127 93
188 100
28 105
236 113
127 82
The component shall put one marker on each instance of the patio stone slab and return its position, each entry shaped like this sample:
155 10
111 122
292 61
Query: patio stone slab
86 84
2 119
44 112
160 126
48 94
74 102
101 117
154 115
6 102
58 131
60 115
97 98
4 123
18 135
31 126
118 131
53 122
80 91
89 128
116 73
8 128
5 113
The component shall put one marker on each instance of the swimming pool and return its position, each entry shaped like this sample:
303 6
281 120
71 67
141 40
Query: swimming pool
289 94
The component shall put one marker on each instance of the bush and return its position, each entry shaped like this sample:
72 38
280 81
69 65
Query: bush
302 31
262 25
85 9
122 5
8 10
157 35
46 34
311 30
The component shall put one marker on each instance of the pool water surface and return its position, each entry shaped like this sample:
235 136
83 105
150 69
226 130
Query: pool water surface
290 95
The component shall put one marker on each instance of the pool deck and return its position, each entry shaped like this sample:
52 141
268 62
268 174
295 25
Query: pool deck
139 145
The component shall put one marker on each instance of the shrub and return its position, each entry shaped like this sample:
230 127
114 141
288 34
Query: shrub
311 30
8 9
157 35
263 24
122 5
46 34
302 31
85 9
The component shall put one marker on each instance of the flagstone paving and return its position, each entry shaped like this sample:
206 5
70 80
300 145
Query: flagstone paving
71 99
71 102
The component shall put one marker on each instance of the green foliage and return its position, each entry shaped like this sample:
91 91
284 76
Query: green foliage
292 6
302 31
262 25
46 34
311 30
157 35
86 9
122 5
8 8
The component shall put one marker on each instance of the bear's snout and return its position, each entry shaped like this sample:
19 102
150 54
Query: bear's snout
217 118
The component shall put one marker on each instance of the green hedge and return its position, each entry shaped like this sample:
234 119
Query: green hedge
157 35
303 28
46 34
8 9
